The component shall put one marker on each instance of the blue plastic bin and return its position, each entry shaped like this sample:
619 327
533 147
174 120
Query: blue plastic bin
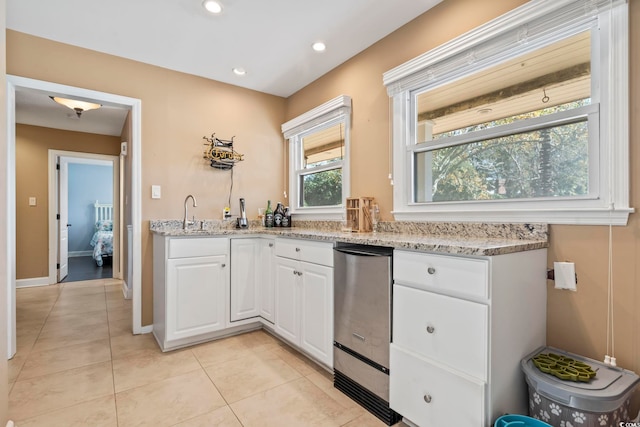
519 421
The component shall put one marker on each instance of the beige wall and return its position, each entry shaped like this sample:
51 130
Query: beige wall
576 321
177 111
32 180
3 220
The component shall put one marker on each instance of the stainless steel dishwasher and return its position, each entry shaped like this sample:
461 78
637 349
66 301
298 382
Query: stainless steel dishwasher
362 326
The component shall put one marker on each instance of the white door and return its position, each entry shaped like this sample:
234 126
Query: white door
287 300
63 226
196 289
267 292
245 276
316 317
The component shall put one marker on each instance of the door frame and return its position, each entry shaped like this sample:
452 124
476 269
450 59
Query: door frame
135 107
74 157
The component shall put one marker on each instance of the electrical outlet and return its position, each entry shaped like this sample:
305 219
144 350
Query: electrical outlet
32 201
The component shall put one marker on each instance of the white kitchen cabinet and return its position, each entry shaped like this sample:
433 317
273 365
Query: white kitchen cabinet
287 300
252 277
461 326
245 278
190 278
196 288
267 273
304 296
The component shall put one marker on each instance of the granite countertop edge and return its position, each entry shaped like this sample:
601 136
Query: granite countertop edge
425 243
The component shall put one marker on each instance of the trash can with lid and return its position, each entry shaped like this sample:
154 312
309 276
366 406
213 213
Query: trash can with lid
601 401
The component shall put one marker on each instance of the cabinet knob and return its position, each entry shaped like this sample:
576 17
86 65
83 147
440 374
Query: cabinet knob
431 329
297 249
295 272
431 270
270 245
223 265
427 398
299 273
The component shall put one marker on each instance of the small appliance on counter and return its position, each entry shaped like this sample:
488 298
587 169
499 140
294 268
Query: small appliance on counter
242 220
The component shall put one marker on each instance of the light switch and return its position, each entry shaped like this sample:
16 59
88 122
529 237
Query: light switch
32 201
156 191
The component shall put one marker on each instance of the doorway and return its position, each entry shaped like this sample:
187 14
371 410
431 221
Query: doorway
84 191
15 83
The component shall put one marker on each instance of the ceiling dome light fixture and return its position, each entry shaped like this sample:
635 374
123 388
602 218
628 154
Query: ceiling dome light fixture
212 6
319 46
239 71
78 106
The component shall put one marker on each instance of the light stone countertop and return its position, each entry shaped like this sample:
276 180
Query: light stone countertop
466 239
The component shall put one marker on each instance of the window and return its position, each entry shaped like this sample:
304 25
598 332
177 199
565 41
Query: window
318 159
528 123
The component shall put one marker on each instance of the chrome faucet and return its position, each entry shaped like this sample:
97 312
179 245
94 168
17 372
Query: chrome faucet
185 221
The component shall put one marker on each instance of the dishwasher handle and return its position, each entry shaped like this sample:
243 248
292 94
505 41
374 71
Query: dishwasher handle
361 252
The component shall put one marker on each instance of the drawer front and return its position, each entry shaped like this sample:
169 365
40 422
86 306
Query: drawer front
448 330
429 395
461 276
197 246
306 250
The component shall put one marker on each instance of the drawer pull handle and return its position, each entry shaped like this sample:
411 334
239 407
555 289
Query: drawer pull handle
360 337
427 398
297 249
431 270
431 329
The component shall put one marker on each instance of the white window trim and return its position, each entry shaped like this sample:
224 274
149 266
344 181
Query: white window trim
338 108
533 24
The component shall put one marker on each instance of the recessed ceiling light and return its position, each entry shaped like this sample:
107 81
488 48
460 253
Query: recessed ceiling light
239 71
212 6
319 46
485 111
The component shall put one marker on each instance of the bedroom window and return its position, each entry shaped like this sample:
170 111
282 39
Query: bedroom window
528 123
318 159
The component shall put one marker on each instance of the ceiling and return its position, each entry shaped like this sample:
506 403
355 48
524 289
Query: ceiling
270 40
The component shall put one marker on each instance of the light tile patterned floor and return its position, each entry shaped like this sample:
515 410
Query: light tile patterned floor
79 365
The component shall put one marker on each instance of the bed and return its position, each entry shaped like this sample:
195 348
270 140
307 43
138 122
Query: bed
102 240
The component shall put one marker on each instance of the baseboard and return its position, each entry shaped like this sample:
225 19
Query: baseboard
80 253
126 291
36 281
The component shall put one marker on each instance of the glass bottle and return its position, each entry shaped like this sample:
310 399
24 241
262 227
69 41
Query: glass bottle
278 214
286 219
268 215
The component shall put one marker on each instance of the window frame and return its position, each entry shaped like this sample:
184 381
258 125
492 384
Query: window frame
332 112
526 28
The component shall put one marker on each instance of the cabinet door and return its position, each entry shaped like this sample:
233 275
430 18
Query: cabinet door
196 289
245 278
430 395
316 301
267 270
451 331
287 300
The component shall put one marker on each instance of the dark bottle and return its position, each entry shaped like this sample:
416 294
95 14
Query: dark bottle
268 215
278 214
286 219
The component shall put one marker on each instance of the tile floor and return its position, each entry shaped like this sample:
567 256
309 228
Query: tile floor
78 364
